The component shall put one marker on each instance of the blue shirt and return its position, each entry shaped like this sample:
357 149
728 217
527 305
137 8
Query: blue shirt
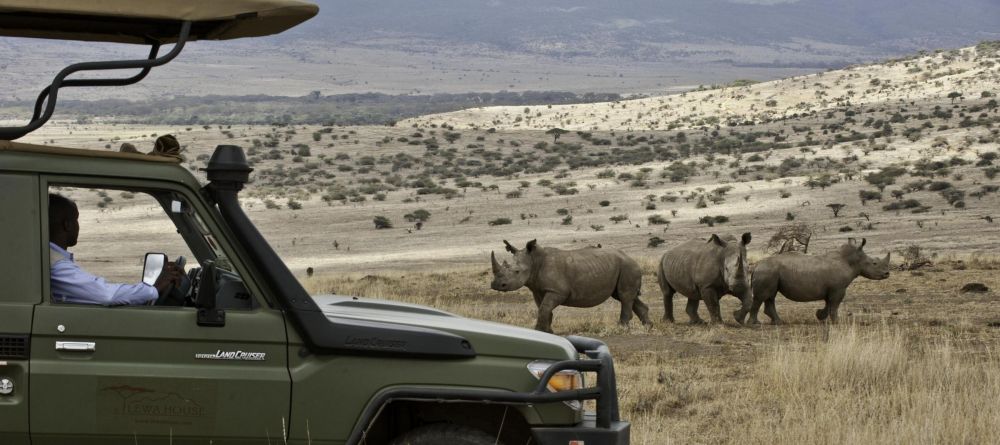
71 284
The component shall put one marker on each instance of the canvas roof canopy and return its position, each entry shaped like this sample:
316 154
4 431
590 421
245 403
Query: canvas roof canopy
143 21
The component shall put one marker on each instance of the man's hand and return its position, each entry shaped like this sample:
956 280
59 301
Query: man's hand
170 276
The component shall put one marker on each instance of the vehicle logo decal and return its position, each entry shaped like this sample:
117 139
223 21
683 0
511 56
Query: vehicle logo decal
233 355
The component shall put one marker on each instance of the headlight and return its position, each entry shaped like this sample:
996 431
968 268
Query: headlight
564 380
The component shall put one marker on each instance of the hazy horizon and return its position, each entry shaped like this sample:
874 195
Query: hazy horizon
601 46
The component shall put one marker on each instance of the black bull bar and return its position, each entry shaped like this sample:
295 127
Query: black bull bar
599 361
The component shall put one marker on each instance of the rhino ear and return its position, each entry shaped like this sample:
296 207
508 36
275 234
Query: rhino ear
715 239
887 257
493 260
510 248
850 241
532 245
746 238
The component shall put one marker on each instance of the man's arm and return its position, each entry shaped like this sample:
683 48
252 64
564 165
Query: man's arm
71 284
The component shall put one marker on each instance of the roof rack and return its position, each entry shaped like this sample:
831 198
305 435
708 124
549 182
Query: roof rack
50 94
150 22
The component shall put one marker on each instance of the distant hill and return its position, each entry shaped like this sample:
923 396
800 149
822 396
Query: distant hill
580 46
939 77
645 30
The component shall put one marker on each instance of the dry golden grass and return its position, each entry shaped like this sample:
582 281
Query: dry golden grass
914 364
874 384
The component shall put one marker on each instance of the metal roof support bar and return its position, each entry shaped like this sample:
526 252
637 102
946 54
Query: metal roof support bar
154 49
50 94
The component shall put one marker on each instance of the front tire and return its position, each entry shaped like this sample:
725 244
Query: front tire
445 433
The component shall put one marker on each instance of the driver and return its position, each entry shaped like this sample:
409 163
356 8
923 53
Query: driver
71 284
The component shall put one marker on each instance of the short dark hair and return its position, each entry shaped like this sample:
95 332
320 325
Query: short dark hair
60 209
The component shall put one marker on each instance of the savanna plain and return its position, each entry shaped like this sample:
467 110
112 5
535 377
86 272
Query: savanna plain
902 153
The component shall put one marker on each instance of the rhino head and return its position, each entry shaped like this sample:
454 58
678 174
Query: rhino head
736 271
512 276
871 268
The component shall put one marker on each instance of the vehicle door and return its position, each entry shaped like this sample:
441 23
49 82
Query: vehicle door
21 288
124 374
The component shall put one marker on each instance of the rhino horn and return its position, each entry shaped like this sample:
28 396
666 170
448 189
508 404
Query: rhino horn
863 242
493 259
715 239
510 248
746 238
887 255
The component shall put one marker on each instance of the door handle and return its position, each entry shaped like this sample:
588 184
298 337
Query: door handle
76 346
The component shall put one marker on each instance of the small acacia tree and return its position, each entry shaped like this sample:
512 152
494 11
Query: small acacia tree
836 207
419 215
556 132
787 236
869 195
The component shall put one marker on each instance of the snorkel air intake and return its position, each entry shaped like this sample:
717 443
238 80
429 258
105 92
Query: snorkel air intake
228 171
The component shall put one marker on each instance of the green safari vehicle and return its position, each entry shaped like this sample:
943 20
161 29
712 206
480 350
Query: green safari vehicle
246 355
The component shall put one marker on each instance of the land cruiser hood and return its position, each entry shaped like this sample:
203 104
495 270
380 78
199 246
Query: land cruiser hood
487 338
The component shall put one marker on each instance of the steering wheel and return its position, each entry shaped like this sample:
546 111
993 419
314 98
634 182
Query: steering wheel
193 283
180 295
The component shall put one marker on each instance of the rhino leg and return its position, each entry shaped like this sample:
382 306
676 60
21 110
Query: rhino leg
692 311
627 293
834 304
741 314
765 288
538 298
754 309
626 312
712 302
668 300
642 311
636 306
822 313
771 310
549 303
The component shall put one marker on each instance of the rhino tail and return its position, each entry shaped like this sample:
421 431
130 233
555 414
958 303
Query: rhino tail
628 282
660 277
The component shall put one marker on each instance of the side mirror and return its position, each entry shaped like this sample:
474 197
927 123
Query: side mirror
152 267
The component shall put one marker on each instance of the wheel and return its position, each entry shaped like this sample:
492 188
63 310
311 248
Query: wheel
445 434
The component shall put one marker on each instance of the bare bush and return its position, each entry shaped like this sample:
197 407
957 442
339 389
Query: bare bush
791 237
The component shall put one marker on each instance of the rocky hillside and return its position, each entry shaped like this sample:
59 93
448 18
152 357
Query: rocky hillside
941 77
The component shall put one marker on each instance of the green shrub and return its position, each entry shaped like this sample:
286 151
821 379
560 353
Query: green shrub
902 205
420 215
657 220
938 186
382 222
711 221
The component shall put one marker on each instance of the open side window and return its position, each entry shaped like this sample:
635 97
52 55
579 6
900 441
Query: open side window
117 227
